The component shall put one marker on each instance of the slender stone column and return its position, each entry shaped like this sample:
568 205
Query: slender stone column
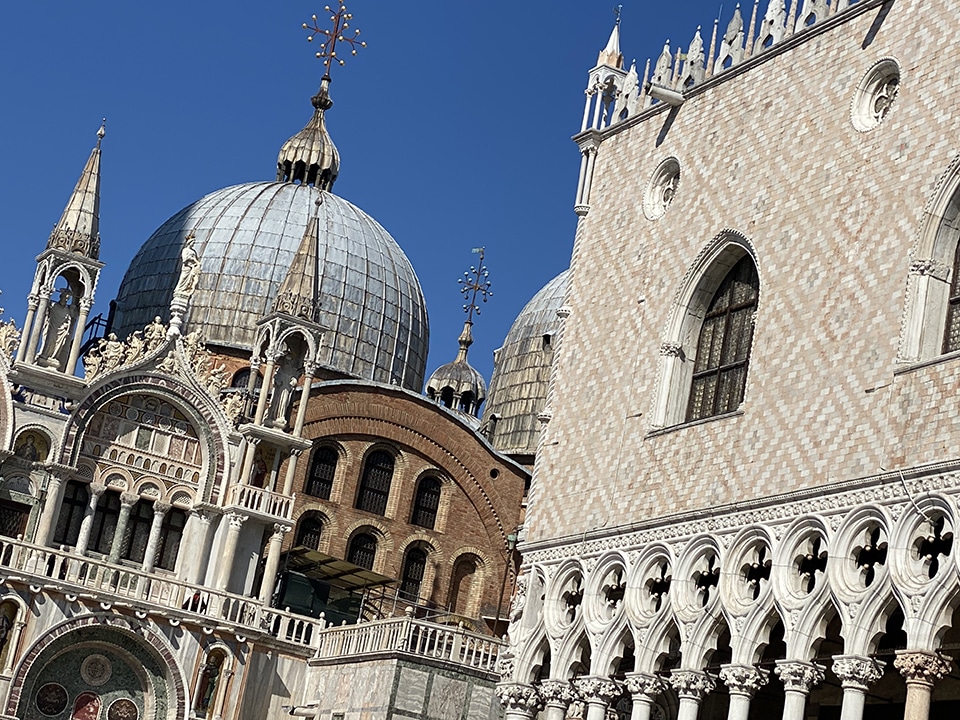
127 501
798 678
37 329
13 642
921 670
85 305
51 510
32 302
194 567
310 370
225 563
742 682
246 469
273 562
597 692
291 470
644 689
519 701
83 538
691 686
265 390
160 510
856 675
557 696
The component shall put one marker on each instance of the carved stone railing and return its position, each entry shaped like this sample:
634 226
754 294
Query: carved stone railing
114 585
261 502
408 636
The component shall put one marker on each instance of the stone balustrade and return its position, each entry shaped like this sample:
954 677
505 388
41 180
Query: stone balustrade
257 501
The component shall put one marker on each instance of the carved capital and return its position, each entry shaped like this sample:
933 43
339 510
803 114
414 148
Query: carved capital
559 693
929 266
202 514
518 697
922 667
236 520
161 508
597 689
671 349
581 209
799 676
128 499
692 684
743 679
857 672
279 530
97 489
643 684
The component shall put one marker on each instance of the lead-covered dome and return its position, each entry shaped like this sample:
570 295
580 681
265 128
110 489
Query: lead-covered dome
521 372
246 236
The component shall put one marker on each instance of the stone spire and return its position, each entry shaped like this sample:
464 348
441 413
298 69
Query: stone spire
297 295
78 230
611 55
310 157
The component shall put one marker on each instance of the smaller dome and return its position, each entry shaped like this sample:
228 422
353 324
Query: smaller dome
310 157
458 385
521 372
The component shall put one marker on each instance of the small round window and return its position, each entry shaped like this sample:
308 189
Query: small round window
876 94
662 189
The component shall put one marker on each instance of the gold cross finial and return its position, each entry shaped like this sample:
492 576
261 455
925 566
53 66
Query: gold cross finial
328 48
475 283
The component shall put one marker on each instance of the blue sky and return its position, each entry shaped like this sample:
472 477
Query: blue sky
453 126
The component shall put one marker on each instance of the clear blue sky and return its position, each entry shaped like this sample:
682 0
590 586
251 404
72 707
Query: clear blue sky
453 126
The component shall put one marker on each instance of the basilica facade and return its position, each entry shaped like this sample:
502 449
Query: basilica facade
744 499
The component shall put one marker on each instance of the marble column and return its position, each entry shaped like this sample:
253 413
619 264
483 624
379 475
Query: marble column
856 675
127 501
273 562
43 302
32 302
13 643
691 687
519 701
557 696
742 683
51 510
225 562
77 341
291 470
798 678
194 566
160 510
83 538
644 689
921 670
598 692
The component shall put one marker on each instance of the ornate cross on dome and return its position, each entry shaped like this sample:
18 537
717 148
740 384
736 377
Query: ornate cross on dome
328 48
474 283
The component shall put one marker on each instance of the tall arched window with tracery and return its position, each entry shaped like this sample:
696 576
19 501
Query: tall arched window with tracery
375 483
323 468
723 350
426 503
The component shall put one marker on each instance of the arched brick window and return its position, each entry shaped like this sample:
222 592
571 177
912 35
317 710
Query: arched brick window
323 467
426 502
414 566
362 550
723 350
309 530
375 483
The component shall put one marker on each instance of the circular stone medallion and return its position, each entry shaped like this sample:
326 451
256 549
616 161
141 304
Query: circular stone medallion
95 670
122 709
51 699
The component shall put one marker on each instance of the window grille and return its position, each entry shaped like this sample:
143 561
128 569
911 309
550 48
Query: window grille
171 533
375 483
363 549
137 534
426 503
413 569
322 470
309 531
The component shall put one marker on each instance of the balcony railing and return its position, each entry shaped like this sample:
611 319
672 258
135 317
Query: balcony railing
261 502
411 637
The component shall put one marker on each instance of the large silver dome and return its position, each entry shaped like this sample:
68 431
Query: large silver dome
246 236
521 372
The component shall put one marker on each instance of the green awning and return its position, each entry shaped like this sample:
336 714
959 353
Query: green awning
338 573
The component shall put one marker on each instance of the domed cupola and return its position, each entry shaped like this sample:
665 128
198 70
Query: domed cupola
458 385
310 157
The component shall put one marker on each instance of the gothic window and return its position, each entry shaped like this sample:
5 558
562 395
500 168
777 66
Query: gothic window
426 502
951 337
322 469
75 498
413 569
362 550
309 531
105 522
375 483
137 534
171 533
723 351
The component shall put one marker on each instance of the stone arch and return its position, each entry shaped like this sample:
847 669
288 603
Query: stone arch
678 347
384 547
658 643
610 650
753 635
573 656
145 653
529 665
808 627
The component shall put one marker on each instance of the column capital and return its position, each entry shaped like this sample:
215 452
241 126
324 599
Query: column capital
519 697
638 683
856 671
236 520
743 679
204 515
799 676
128 499
921 667
597 689
97 489
161 508
692 684
279 530
557 692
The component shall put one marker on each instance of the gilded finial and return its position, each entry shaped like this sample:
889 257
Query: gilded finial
102 131
475 283
328 48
